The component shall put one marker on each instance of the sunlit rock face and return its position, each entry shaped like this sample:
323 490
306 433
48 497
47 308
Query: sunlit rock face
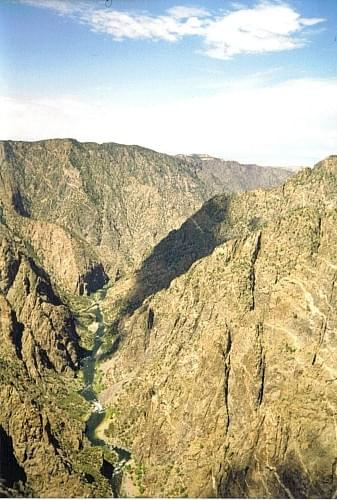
94 211
224 380
219 324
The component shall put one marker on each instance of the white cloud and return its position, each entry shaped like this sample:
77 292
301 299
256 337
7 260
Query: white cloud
264 28
179 21
183 12
292 123
59 6
267 27
122 25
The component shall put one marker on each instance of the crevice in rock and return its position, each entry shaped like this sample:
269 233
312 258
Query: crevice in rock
262 370
317 242
227 367
261 365
45 360
44 287
45 291
256 249
18 329
51 438
252 277
150 319
12 271
20 204
26 283
149 326
320 339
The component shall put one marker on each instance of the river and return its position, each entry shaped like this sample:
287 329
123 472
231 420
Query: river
98 413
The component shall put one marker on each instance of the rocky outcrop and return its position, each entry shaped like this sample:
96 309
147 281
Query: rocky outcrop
72 263
43 449
223 382
108 204
43 332
203 336
90 211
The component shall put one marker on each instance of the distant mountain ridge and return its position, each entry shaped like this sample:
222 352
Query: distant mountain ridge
105 206
232 176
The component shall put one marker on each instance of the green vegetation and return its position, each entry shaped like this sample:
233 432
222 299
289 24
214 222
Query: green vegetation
110 337
136 471
74 404
98 385
88 462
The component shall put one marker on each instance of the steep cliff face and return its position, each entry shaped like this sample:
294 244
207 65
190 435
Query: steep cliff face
108 204
90 211
199 377
43 332
223 382
43 450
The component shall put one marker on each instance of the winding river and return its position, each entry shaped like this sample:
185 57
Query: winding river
98 413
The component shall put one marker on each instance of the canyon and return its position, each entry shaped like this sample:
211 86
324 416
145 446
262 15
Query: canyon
194 301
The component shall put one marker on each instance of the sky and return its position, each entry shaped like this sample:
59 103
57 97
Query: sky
252 81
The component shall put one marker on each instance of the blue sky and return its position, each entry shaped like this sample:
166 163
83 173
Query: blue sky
254 81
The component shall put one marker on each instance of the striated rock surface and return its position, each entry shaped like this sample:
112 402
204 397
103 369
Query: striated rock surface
43 331
223 383
93 211
43 449
218 363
